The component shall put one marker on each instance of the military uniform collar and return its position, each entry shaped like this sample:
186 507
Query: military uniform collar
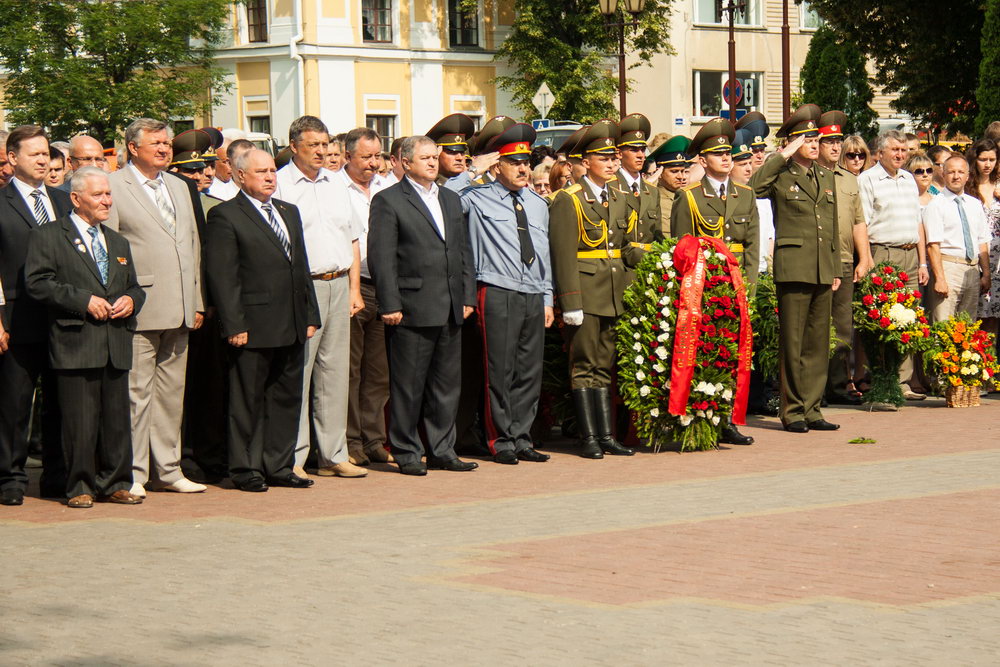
592 191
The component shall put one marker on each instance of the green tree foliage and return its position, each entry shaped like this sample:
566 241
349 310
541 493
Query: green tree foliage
988 93
566 43
96 65
927 51
834 77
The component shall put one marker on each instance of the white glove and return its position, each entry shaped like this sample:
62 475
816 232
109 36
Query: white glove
573 318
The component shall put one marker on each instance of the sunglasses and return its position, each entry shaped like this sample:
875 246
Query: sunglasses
856 156
929 171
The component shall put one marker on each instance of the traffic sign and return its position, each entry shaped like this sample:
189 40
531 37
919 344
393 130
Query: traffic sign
678 121
543 99
733 87
724 113
541 123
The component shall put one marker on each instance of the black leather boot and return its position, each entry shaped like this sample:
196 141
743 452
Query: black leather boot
731 436
605 438
583 402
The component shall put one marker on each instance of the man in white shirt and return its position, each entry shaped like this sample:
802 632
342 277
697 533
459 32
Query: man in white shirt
369 388
331 240
223 186
957 246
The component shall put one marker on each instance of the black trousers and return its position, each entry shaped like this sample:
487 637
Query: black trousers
20 368
96 430
512 325
425 371
204 448
265 396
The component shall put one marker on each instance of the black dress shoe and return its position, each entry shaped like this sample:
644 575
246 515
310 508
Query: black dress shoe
611 446
731 436
12 497
589 449
797 427
455 465
843 399
822 425
292 481
253 485
417 469
506 457
530 454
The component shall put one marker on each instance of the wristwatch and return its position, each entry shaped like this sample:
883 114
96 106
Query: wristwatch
473 170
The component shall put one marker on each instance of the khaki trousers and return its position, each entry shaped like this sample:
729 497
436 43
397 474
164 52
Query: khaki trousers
963 292
803 348
843 326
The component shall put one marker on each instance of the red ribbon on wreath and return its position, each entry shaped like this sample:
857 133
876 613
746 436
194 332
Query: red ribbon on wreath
689 261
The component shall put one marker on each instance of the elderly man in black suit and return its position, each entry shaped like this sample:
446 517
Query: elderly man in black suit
83 272
420 259
258 275
25 205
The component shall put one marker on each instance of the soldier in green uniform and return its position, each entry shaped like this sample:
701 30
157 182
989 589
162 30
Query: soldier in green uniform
452 134
642 198
671 157
573 156
807 266
755 125
587 232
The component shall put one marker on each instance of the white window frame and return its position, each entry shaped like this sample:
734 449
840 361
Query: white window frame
754 13
804 11
696 92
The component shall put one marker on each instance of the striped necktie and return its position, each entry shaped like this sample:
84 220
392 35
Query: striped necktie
970 249
276 228
41 214
100 254
166 210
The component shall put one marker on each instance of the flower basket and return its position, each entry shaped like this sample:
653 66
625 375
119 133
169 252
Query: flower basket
962 357
685 344
961 396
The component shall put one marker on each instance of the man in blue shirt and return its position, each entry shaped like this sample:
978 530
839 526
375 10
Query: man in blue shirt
509 234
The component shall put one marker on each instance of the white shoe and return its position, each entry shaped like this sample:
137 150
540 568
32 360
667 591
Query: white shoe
138 490
183 485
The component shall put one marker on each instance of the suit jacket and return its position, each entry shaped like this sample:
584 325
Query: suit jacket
167 261
806 244
427 278
254 286
61 274
24 318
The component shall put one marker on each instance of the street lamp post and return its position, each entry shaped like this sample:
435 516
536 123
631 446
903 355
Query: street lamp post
731 9
609 8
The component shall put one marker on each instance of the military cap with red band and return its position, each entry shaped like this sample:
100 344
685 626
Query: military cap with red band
831 124
514 143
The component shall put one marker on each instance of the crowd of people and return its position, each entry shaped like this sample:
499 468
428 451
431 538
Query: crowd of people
205 310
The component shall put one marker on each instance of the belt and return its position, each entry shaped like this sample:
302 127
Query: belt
330 275
735 247
598 254
644 246
959 260
901 246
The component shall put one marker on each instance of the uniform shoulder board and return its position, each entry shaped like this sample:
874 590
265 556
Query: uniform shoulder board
572 190
742 185
691 186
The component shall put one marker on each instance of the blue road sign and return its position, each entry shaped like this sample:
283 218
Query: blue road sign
541 123
724 113
732 87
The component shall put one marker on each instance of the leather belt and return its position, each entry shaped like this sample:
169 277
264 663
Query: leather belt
330 275
903 246
598 254
644 246
959 260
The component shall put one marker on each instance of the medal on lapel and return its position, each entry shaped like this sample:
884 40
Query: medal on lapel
123 261
80 246
794 188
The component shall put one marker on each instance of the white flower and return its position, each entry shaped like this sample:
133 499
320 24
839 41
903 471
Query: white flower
986 376
644 390
707 254
642 318
672 273
665 257
639 360
976 357
661 352
699 413
649 277
719 387
659 265
658 367
727 395
663 337
902 315
706 388
636 336
715 420
665 312
667 384
709 412
685 420
973 369
637 347
640 376
634 321
655 412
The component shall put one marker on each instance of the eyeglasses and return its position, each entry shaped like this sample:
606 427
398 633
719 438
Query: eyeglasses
88 160
929 171
856 156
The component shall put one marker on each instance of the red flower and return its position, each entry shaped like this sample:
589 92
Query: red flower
905 338
661 289
900 284
884 322
927 332
717 314
652 357
665 277
876 280
888 287
887 269
730 313
904 276
726 302
900 298
654 344
868 299
882 297
922 319
654 327
873 314
916 295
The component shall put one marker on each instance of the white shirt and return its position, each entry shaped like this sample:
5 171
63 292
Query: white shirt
258 204
388 179
224 190
325 208
716 185
82 227
150 192
943 224
629 181
595 189
430 198
26 191
766 228
360 209
891 205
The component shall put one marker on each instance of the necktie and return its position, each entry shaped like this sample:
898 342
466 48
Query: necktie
100 254
523 233
41 214
970 252
276 228
166 210
722 191
604 197
635 189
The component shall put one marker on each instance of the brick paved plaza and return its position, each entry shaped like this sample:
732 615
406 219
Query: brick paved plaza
800 550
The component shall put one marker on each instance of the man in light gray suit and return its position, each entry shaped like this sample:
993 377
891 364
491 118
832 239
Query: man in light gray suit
153 210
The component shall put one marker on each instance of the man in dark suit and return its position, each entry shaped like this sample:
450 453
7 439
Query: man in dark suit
26 204
421 262
258 275
83 272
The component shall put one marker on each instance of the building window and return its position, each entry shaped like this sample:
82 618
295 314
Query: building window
256 20
376 20
463 24
809 19
182 126
710 11
260 124
386 128
708 93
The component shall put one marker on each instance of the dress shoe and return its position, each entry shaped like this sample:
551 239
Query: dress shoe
417 469
12 497
81 501
531 454
506 457
843 399
252 485
356 455
182 485
342 469
822 425
379 454
455 465
291 480
797 427
138 490
121 497
732 436
913 395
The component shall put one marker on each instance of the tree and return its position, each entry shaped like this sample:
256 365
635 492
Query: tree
96 65
566 44
830 63
924 50
988 93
